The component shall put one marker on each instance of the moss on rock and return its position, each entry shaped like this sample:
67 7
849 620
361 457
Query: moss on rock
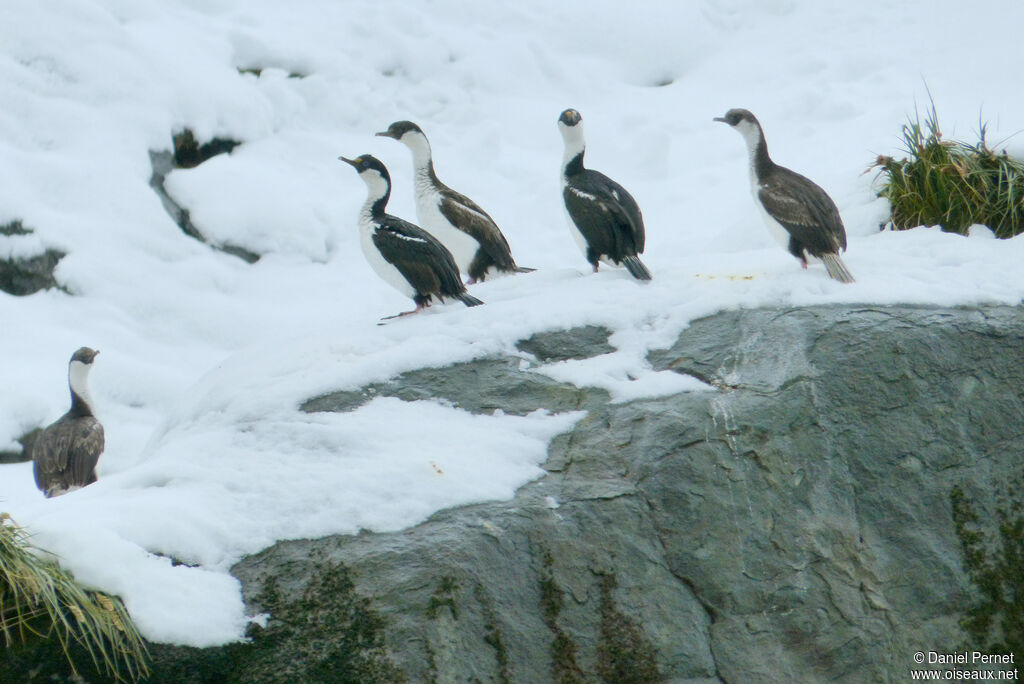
565 668
995 564
328 634
444 597
624 653
494 637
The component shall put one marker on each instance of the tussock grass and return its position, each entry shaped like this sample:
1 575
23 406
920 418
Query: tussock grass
40 600
950 183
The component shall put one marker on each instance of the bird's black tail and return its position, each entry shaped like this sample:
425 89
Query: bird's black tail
523 269
468 299
636 268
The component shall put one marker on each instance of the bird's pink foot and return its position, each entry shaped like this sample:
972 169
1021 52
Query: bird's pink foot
419 307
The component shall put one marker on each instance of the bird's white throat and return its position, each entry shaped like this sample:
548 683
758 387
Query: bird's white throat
420 147
78 379
753 137
751 133
376 187
572 136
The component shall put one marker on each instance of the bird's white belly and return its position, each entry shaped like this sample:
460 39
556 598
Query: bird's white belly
462 246
775 228
391 275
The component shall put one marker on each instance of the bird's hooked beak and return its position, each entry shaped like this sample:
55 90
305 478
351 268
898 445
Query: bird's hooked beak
718 118
352 162
386 134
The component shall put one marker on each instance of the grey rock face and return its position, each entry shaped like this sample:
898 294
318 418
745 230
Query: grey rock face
793 526
481 386
187 154
832 461
23 276
562 345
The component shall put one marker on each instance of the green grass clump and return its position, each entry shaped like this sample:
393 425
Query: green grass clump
39 600
950 183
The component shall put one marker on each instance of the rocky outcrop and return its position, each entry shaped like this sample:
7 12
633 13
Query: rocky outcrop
188 154
793 525
25 275
25 452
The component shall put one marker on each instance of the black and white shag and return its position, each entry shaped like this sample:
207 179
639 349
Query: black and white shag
799 214
65 453
469 233
407 257
605 219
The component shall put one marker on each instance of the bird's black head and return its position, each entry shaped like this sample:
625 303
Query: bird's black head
400 128
367 162
570 117
84 355
733 117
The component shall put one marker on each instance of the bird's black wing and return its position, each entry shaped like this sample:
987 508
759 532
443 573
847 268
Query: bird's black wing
419 257
805 211
66 452
85 451
599 205
467 216
51 451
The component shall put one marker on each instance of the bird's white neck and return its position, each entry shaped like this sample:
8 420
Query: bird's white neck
420 147
757 149
751 133
575 145
377 191
78 380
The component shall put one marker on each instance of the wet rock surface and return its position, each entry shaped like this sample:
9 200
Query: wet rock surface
793 525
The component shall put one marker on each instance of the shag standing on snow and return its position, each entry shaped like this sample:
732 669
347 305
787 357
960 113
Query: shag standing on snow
468 232
799 214
407 257
65 453
604 218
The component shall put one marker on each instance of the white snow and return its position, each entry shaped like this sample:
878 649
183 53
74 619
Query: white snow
205 358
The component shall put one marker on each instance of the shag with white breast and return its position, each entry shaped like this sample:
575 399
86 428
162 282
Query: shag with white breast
799 214
469 233
64 454
604 218
407 257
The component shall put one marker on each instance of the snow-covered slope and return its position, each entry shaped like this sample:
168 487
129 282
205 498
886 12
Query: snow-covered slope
205 358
